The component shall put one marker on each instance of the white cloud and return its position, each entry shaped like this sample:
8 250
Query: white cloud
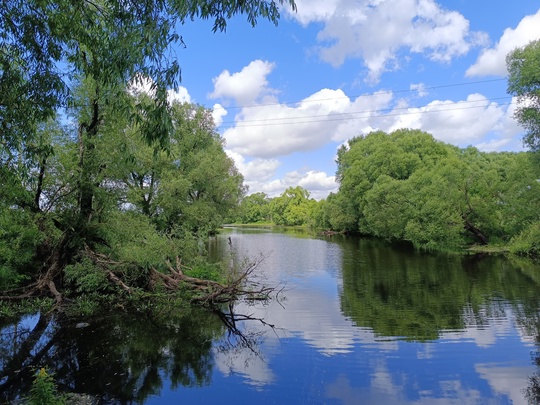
246 86
420 88
255 170
258 174
261 134
318 183
492 61
461 123
375 31
309 11
180 95
508 126
218 112
492 145
141 84
274 130
268 131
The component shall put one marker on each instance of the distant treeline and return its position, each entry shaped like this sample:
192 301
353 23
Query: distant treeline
407 186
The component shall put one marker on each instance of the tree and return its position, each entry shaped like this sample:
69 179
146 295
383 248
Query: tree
524 83
396 155
82 58
255 208
292 207
193 185
407 186
43 43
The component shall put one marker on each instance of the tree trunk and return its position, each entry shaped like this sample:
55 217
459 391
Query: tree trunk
86 147
476 232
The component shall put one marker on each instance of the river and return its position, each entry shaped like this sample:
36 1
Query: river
357 321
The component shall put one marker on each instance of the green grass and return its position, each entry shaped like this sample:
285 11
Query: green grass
261 224
488 249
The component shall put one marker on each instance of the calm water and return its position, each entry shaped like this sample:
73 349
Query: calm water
358 322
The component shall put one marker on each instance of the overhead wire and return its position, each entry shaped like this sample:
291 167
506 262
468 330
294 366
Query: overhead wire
377 93
362 114
347 116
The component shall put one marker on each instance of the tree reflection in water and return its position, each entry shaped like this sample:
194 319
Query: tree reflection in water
117 357
532 392
418 296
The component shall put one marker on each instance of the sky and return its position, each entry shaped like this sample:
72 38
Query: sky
286 97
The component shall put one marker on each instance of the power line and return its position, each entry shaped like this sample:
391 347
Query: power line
354 115
440 86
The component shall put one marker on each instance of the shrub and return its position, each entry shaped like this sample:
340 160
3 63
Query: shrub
527 242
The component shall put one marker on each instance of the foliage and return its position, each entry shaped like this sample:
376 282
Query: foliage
71 191
144 205
19 238
43 391
43 43
254 208
292 208
527 242
524 83
407 186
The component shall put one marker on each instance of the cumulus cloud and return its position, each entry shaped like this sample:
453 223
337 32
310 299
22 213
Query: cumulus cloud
318 183
256 169
276 130
261 134
374 31
180 95
268 131
492 61
218 112
462 123
145 85
258 174
245 86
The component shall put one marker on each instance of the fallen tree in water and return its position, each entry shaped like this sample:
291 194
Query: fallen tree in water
238 282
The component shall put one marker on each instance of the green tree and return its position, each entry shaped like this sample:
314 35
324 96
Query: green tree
255 208
42 43
193 178
407 186
80 58
292 207
397 155
524 83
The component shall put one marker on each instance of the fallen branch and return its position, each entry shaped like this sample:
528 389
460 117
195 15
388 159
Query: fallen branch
210 293
117 281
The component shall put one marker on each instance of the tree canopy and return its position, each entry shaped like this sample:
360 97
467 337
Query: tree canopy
524 82
407 186
293 207
102 185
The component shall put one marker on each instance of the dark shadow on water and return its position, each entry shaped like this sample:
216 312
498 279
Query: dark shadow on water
117 358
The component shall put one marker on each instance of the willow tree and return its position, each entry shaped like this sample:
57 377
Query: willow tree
407 186
79 58
524 83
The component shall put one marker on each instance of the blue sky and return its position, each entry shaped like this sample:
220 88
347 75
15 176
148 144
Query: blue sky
286 97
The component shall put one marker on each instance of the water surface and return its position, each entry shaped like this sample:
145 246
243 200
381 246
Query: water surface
358 322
